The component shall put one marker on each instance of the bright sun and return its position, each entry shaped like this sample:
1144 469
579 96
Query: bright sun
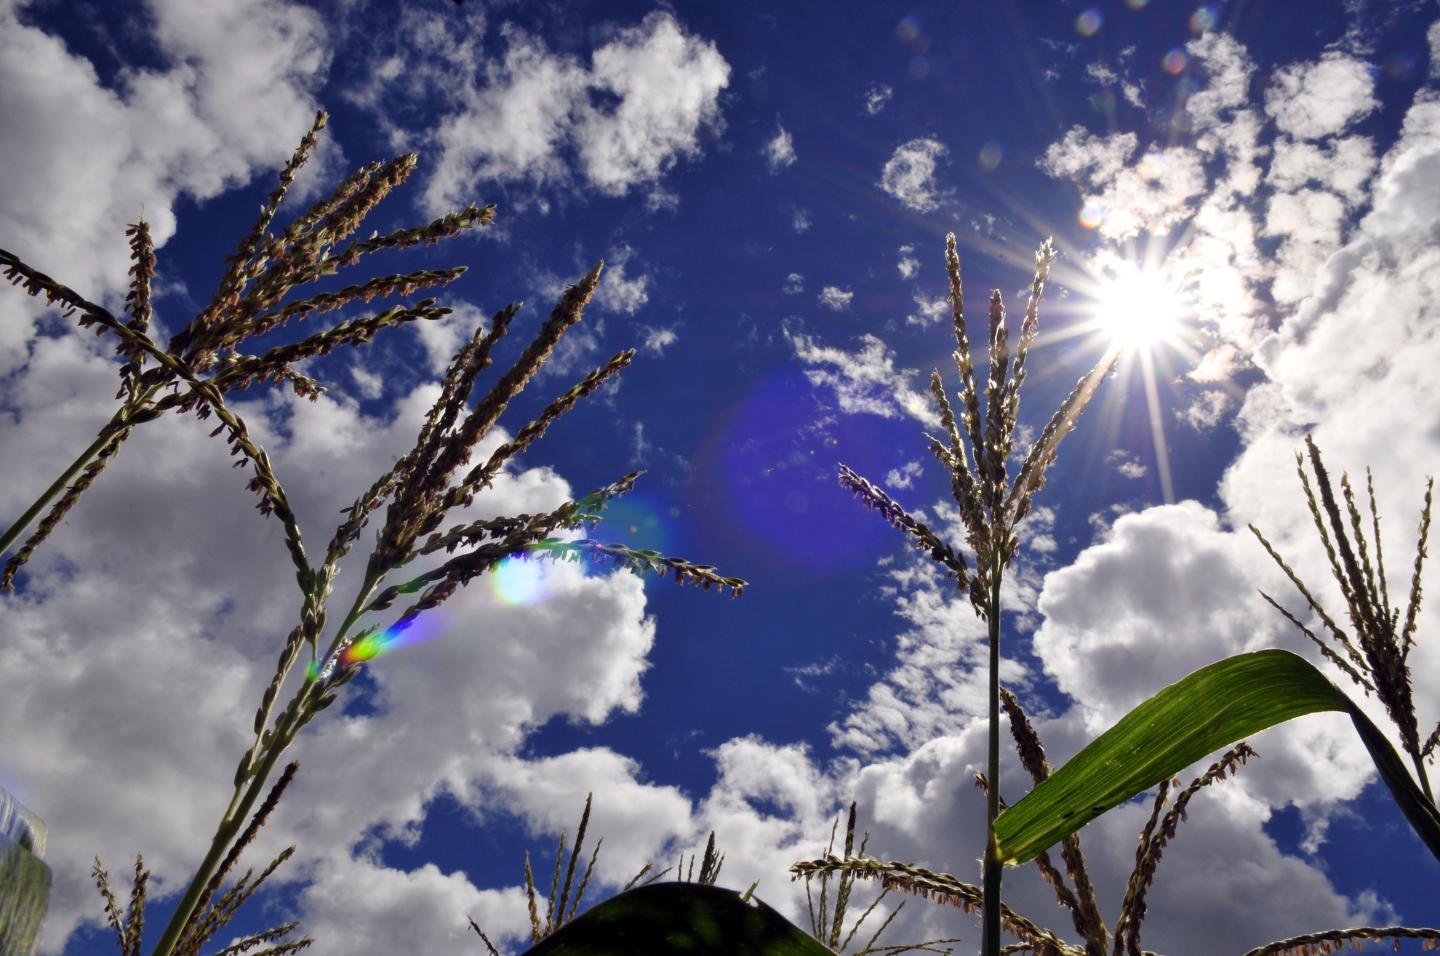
1138 308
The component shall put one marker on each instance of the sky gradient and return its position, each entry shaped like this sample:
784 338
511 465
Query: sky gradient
770 190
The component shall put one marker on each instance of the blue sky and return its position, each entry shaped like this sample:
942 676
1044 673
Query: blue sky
770 190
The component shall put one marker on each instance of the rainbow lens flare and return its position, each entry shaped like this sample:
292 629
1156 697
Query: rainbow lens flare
990 155
1092 214
1087 24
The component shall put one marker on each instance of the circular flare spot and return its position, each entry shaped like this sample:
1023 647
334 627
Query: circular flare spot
1087 24
1092 214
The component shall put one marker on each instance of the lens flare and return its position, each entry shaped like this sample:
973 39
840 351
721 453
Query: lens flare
519 580
1087 24
1204 18
990 155
1137 4
1174 62
1092 214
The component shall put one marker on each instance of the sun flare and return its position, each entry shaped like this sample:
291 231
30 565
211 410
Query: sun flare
1138 307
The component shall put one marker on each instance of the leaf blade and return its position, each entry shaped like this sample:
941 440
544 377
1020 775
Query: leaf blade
1206 711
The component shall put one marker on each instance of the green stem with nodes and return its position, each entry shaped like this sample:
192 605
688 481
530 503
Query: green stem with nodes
230 826
990 936
106 436
248 790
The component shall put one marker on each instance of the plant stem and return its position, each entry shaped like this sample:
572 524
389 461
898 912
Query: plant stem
23 522
244 799
1424 780
990 936
229 827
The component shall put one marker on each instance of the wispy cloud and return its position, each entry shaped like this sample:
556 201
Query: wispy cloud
865 380
779 152
877 98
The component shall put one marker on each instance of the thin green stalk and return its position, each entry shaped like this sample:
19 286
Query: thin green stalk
230 826
107 434
990 937
41 503
244 797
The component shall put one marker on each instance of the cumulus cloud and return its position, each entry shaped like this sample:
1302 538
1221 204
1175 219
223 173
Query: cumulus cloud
801 220
904 476
1311 100
657 340
160 611
907 263
794 284
1152 194
877 98
536 117
779 152
81 159
909 174
835 298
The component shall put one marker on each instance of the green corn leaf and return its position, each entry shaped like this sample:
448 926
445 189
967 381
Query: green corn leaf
1210 709
679 919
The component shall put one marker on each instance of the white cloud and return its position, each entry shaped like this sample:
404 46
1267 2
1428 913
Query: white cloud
534 118
928 311
1227 69
1133 92
1311 100
779 152
907 263
657 340
160 614
1433 37
368 384
1126 464
1152 195
836 299
82 159
617 291
909 174
904 476
1205 411
864 381
801 221
794 284
877 98
1344 166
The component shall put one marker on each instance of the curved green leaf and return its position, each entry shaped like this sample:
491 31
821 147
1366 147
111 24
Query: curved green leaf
1210 709
683 919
